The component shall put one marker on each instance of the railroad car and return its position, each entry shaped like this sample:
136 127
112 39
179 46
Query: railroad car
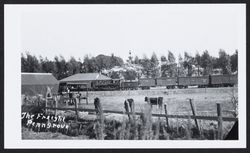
233 79
168 82
223 80
129 85
200 81
146 83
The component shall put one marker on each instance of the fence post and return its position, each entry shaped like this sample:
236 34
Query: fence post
126 107
46 104
56 100
66 100
75 101
166 113
133 110
132 107
79 98
87 95
194 114
219 113
99 113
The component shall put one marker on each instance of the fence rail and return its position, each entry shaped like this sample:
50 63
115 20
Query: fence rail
215 118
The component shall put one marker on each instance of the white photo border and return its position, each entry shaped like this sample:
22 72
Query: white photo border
12 94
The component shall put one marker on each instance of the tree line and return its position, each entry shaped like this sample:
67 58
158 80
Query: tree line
165 66
188 65
62 68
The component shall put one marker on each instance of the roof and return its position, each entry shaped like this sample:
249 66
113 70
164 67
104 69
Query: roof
38 79
85 77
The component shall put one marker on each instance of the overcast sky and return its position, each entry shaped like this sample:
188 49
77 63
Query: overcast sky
77 30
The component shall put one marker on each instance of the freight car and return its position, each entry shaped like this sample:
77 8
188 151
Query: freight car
129 85
200 81
170 82
224 80
146 83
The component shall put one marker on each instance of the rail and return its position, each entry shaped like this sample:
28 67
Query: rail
215 118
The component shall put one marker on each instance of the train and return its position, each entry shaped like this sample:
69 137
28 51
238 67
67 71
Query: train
147 83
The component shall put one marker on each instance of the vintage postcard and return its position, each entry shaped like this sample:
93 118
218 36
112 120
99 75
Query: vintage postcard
125 76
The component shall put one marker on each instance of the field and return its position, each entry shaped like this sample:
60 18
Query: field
177 101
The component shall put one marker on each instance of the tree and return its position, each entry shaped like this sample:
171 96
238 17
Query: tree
171 58
164 62
181 70
224 61
154 66
46 65
172 65
206 63
188 63
102 62
24 64
72 66
234 61
130 75
163 59
30 63
89 65
146 64
60 68
136 60
115 61
198 62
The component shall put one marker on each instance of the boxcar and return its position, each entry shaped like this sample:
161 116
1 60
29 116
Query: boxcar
129 85
146 83
223 80
168 82
233 79
200 81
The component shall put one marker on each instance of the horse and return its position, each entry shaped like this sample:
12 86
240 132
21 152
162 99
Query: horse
155 101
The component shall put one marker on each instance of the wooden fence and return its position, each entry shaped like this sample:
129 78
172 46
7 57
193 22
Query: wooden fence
219 118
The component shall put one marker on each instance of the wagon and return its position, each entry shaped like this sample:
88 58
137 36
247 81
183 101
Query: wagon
223 80
129 85
146 83
200 81
168 82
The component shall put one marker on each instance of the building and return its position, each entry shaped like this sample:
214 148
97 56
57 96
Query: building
84 78
37 83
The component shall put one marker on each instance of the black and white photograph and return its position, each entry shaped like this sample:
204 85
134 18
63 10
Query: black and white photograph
116 75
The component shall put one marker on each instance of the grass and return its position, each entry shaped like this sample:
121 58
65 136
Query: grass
145 127
177 100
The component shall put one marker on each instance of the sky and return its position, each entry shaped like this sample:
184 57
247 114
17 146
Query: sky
79 30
